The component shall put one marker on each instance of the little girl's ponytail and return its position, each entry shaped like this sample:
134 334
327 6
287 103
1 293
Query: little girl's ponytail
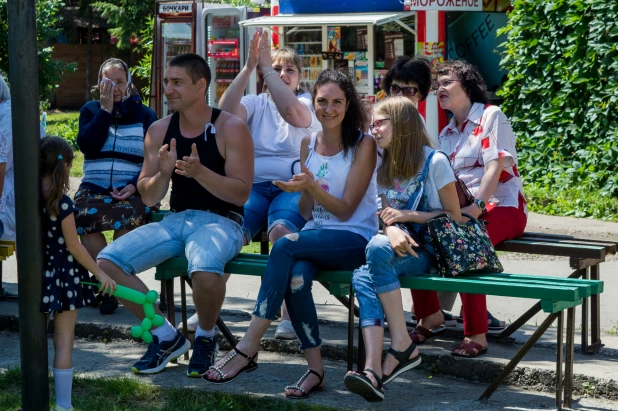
56 154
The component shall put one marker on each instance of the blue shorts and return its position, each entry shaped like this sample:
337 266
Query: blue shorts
208 240
268 206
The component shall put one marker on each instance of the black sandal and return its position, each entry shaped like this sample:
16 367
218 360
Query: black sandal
361 384
252 366
405 363
296 386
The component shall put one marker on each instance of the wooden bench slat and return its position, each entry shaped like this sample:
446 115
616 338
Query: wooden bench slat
610 248
555 249
557 306
605 242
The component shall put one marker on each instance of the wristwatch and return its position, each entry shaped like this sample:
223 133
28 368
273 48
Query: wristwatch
479 203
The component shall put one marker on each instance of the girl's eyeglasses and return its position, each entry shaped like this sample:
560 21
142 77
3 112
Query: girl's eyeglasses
377 123
407 91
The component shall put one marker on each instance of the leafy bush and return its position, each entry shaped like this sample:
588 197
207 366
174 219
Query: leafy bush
562 91
65 125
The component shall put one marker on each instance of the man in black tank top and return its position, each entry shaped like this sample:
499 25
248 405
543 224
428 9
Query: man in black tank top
207 155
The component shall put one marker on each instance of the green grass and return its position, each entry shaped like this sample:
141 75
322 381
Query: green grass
571 203
78 162
128 394
57 117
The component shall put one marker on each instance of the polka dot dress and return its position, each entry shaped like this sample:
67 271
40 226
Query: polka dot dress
62 276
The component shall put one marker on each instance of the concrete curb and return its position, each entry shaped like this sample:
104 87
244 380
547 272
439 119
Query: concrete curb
478 370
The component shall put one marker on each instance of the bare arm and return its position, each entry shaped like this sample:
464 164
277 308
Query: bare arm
490 179
235 186
291 109
356 185
153 180
230 100
79 252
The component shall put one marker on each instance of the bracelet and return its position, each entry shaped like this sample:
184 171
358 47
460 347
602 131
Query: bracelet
269 73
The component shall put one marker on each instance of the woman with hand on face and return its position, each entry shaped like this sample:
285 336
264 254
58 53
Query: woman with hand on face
481 145
338 191
111 137
278 120
418 184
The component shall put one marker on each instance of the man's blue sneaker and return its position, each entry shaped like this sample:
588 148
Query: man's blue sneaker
205 352
160 353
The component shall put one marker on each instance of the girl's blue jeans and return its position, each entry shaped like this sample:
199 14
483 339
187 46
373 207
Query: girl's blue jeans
381 275
293 261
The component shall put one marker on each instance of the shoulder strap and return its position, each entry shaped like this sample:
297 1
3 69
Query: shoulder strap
211 125
415 198
312 141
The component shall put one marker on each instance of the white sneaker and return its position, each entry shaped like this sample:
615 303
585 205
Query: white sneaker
59 408
285 331
191 324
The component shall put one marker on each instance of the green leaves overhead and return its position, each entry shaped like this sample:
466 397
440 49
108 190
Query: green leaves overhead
562 92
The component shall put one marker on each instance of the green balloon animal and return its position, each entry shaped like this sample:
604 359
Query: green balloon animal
147 300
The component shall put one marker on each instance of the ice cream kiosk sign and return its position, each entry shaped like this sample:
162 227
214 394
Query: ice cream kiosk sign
443 5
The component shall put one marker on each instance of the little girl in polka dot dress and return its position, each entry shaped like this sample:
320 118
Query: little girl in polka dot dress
66 263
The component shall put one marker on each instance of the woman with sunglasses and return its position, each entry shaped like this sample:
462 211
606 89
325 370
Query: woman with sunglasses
410 78
417 183
481 145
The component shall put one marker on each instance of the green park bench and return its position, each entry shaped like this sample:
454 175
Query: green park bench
555 295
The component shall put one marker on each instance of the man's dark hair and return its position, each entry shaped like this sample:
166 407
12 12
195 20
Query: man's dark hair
195 66
470 77
409 70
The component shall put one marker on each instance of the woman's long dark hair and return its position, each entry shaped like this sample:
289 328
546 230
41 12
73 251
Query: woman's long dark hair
353 121
470 77
55 154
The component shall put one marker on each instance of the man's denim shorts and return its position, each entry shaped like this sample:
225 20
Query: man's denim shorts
208 240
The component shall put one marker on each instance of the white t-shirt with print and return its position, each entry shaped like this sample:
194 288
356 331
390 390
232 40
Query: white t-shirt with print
276 142
439 174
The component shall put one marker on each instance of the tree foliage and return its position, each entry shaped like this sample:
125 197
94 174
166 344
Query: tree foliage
127 17
562 91
46 23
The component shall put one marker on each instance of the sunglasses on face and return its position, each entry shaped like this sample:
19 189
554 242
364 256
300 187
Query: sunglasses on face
377 123
407 91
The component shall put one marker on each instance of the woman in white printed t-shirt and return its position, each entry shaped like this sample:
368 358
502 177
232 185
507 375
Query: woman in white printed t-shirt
278 120
338 186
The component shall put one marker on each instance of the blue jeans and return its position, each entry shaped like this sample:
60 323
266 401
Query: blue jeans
381 275
268 206
209 241
293 261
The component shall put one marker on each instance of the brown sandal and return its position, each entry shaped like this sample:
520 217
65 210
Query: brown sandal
473 349
424 332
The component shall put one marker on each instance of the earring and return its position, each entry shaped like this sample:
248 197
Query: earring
298 88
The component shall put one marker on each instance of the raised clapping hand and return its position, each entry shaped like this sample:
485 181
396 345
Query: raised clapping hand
263 52
167 158
298 183
390 215
189 166
123 194
252 57
402 243
108 286
106 89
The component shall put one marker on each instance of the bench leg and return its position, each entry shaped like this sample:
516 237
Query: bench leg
517 358
568 368
351 307
162 298
515 325
343 300
183 311
584 346
559 347
595 311
171 310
